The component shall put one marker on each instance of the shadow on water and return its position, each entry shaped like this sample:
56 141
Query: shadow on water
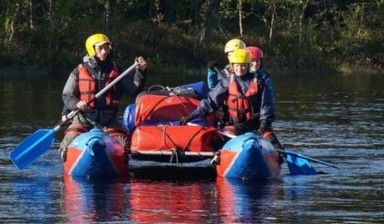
195 171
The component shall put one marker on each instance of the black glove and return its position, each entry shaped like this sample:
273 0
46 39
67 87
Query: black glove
264 126
238 128
185 120
282 156
212 64
63 154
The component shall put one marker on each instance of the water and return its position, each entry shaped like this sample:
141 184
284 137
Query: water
335 118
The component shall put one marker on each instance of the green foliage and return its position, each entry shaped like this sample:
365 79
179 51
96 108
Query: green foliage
294 35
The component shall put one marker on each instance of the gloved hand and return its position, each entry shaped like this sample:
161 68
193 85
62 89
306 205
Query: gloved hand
238 128
185 120
264 126
282 157
212 64
63 154
82 105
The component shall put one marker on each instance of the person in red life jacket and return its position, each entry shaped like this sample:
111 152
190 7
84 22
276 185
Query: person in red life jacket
257 66
87 79
214 75
249 100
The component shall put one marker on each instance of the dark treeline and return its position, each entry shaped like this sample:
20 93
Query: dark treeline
335 35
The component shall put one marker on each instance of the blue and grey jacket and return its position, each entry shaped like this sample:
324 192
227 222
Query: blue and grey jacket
262 105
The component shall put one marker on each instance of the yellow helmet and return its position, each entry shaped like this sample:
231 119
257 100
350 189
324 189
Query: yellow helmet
95 39
234 44
240 56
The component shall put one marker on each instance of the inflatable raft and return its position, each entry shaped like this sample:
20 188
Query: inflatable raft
157 140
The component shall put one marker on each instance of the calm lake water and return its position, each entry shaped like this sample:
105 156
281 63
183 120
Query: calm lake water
335 118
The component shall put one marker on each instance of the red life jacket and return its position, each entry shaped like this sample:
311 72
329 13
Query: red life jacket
239 105
88 87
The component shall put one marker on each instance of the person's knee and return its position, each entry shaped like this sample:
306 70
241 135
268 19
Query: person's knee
120 134
68 138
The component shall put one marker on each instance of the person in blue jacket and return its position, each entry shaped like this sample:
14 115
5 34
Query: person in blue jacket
248 98
257 66
213 73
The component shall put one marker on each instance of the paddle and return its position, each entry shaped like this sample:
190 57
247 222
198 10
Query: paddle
287 152
299 166
39 142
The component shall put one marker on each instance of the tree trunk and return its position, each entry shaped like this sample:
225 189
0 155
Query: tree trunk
327 17
305 5
31 15
271 25
50 16
209 16
12 23
361 20
240 10
107 5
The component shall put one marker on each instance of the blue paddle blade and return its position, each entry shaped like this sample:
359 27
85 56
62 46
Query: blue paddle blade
32 148
299 166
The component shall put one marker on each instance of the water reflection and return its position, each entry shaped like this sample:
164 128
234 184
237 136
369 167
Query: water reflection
247 201
30 195
185 202
94 200
148 201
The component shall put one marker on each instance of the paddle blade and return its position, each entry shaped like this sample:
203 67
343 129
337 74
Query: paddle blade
299 166
32 147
